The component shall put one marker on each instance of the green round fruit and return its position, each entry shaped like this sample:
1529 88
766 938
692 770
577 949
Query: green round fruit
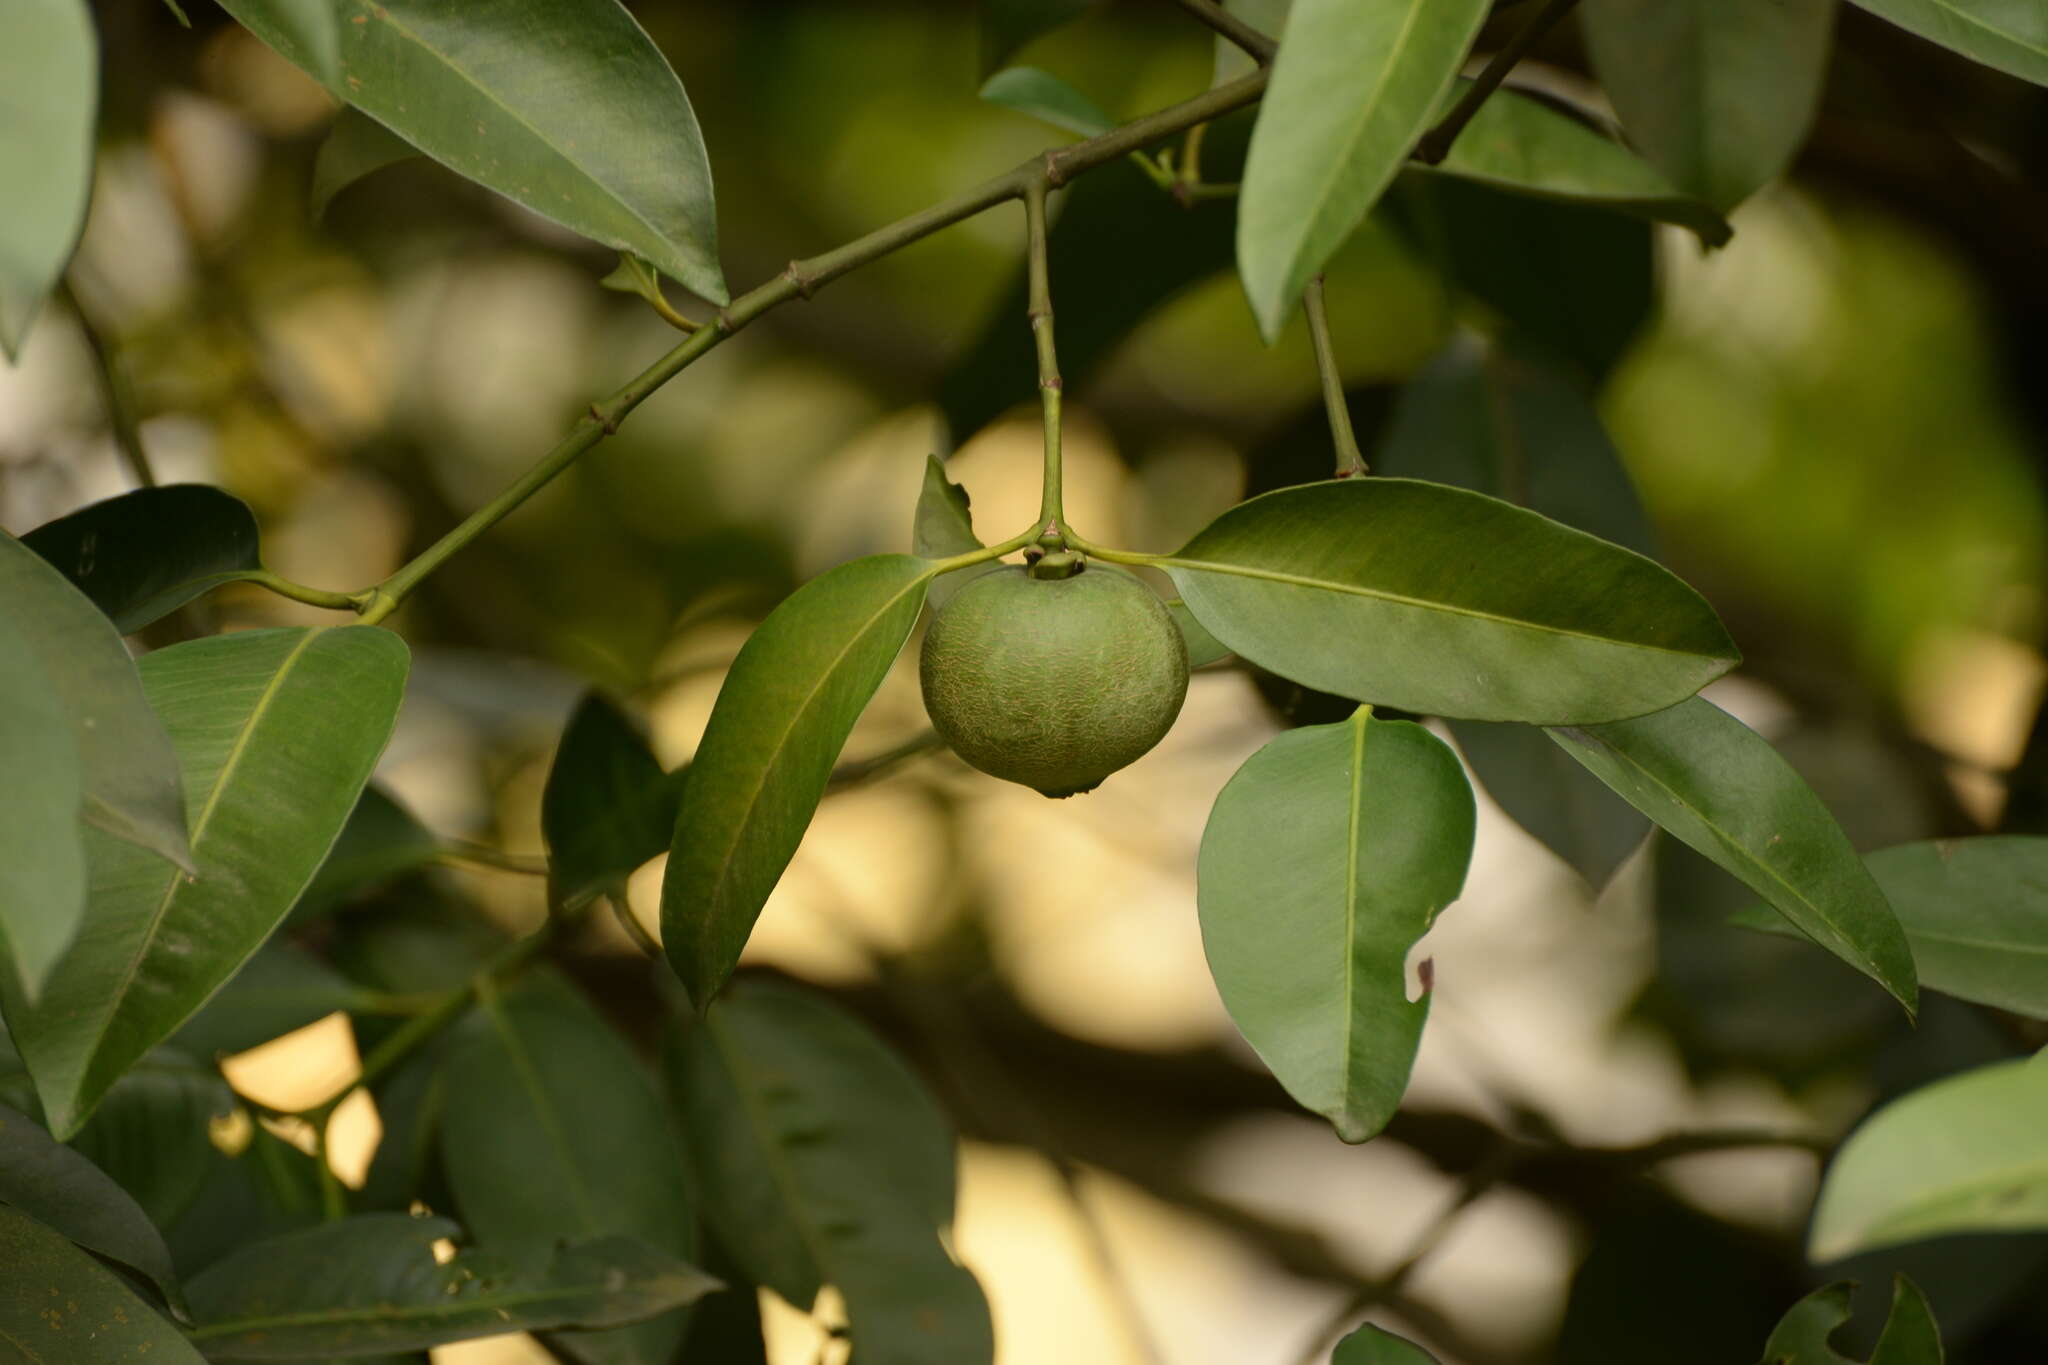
1054 683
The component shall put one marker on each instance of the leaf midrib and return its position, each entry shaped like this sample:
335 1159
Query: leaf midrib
1361 719
780 1170
395 1313
550 1123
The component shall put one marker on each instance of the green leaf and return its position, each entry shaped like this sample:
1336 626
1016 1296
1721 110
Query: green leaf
1486 417
356 145
1370 1345
635 276
372 1283
823 1160
49 92
2010 35
608 807
150 1132
781 718
276 731
1007 25
564 106
1719 94
1719 787
1525 145
1965 1154
1373 821
1436 600
1203 648
1910 1335
380 842
130 770
47 1181
280 989
142 555
551 1131
1557 801
58 1304
42 857
1046 97
1975 912
1354 84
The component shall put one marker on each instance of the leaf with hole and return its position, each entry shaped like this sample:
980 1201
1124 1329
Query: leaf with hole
781 718
1720 787
1444 602
1910 1336
823 1160
1373 821
55 1298
276 731
563 106
1355 83
49 97
142 555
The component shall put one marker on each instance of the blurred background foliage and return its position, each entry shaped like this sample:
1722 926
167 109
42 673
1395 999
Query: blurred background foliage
1838 426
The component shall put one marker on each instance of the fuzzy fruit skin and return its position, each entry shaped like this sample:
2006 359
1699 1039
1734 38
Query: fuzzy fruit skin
1054 683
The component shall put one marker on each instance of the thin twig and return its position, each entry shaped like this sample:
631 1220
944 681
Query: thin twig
115 391
1256 45
1436 143
634 929
1349 461
856 771
462 853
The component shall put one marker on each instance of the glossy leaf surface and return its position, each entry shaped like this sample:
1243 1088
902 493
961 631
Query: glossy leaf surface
1371 1345
822 1159
1802 1338
1720 787
1719 94
1372 821
551 1131
1966 1154
372 1283
1046 97
127 764
142 555
564 106
1354 85
49 96
2011 35
1440 601
607 808
58 1304
276 732
42 853
781 718
356 145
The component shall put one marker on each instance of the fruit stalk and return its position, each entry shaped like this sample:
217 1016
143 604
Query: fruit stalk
1052 522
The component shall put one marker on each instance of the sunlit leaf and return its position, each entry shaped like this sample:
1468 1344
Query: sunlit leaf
1371 1345
373 1283
1007 25
129 769
1720 787
1044 96
822 1160
59 1304
142 555
356 145
552 1131
276 732
1372 821
781 718
565 106
2011 35
60 1189
49 94
1719 94
1354 84
1436 600
42 854
607 808
1802 1337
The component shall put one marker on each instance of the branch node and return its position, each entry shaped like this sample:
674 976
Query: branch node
610 425
1054 175
805 284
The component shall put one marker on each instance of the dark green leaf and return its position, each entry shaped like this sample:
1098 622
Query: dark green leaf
42 856
1966 1154
1373 822
372 1283
356 146
824 1161
58 1305
276 731
1370 1345
552 1131
60 1189
1525 145
1440 601
780 720
1007 25
608 807
151 1135
130 769
1487 418
1910 1335
1719 94
270 1188
280 989
1203 648
380 842
1719 787
2011 35
1045 96
144 554
1556 800
942 528
564 106
49 92
1975 912
1354 84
